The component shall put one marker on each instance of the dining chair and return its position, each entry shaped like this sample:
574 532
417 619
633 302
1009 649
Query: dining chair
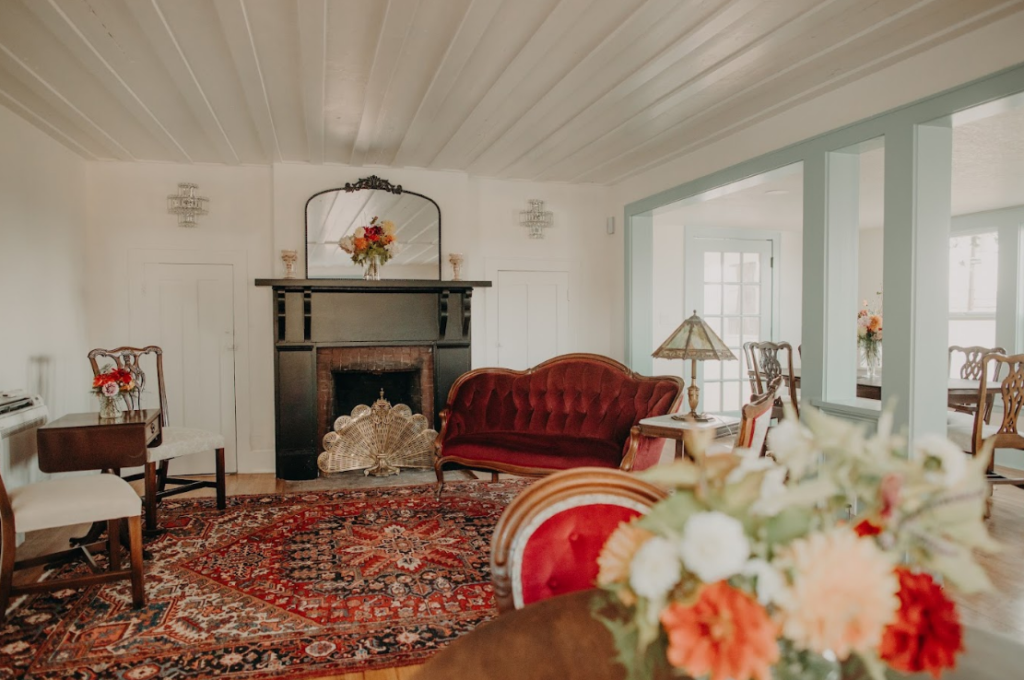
755 420
766 365
549 537
177 441
971 433
971 370
66 502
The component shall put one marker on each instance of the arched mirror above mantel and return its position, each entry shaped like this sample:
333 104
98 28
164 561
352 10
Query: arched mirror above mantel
336 213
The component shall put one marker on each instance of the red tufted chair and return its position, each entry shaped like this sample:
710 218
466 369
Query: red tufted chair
576 410
549 537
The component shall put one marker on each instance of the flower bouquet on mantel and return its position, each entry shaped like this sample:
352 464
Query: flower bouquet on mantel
372 245
833 562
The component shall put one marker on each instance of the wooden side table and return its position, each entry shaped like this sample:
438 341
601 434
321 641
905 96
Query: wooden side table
668 427
84 441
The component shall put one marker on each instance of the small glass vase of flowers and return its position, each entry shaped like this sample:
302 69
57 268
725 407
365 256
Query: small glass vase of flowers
869 338
109 385
836 561
371 245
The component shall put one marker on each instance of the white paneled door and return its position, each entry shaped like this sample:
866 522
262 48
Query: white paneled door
533 317
188 310
729 284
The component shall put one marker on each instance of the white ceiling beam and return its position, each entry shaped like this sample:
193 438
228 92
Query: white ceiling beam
49 93
398 21
649 32
712 39
474 23
168 51
30 115
313 60
234 21
908 33
71 32
529 62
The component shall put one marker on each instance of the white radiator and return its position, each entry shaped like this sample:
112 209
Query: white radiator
20 417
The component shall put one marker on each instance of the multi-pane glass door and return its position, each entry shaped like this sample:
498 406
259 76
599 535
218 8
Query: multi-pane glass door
729 284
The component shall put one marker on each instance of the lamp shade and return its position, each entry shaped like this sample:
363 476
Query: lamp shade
694 339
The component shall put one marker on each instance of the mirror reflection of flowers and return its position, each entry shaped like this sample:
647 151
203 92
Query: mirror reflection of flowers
845 552
113 381
374 241
869 328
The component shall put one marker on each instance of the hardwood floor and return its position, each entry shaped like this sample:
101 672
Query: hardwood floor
1001 610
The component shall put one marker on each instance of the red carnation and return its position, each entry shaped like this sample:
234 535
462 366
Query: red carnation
867 528
926 634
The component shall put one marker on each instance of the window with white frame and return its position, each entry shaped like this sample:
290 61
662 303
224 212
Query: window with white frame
973 284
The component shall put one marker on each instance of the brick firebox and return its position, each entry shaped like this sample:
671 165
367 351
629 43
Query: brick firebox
418 359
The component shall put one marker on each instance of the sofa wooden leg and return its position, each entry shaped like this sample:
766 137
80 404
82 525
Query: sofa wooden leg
439 472
494 476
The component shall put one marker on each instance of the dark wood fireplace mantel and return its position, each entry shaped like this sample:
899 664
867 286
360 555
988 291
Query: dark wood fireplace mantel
311 314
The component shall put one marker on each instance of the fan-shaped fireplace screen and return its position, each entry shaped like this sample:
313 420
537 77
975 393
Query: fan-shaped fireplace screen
338 213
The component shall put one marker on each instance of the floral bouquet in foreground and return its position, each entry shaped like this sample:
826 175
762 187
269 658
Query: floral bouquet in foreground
112 382
837 557
373 242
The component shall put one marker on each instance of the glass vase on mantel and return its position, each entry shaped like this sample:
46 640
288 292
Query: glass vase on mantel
372 271
110 408
871 358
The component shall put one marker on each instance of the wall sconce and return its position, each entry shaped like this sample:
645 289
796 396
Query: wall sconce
536 219
186 205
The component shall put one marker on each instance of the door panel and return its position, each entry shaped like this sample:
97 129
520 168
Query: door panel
533 317
729 284
188 310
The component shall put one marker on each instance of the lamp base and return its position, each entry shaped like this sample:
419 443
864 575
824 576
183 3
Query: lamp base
696 417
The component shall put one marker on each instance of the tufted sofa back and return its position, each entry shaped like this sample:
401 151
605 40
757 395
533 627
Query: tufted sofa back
585 395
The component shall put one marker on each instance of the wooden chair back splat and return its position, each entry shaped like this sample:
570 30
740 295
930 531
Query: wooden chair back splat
765 365
177 441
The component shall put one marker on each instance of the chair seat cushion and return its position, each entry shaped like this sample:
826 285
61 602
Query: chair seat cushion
73 500
960 429
183 441
530 450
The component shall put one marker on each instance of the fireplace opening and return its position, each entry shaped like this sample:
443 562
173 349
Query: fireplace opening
349 376
352 388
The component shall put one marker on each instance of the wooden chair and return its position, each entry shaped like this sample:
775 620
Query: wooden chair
766 366
754 422
548 539
177 441
971 370
66 502
1005 435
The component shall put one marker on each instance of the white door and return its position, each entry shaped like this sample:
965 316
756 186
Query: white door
533 317
729 284
188 310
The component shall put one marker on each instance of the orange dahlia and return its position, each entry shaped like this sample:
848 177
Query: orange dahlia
926 634
726 634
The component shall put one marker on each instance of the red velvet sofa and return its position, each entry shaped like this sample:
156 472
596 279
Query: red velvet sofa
576 410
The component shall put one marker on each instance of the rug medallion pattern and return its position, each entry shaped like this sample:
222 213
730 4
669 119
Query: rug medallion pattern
296 585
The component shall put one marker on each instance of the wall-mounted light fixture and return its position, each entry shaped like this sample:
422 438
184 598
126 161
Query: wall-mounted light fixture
536 219
186 205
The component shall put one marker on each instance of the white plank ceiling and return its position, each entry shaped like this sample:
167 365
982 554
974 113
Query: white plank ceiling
566 90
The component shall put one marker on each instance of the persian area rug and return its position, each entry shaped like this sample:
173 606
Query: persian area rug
297 585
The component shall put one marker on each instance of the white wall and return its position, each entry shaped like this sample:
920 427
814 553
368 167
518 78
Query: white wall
43 320
869 266
128 221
